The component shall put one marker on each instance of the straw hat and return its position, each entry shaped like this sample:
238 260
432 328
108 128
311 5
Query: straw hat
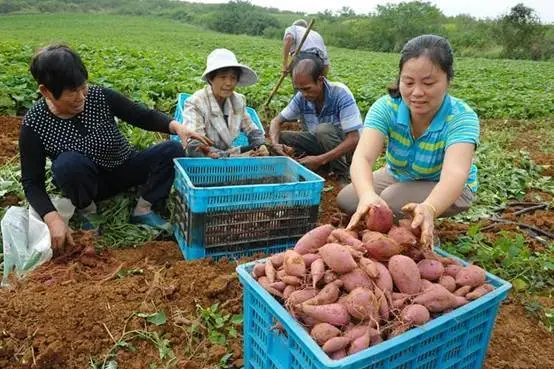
223 58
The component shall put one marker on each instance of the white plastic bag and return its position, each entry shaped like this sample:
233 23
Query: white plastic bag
26 238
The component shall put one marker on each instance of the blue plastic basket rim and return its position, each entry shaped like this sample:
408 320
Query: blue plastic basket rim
320 355
316 179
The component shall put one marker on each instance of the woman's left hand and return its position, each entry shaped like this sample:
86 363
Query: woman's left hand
185 134
423 216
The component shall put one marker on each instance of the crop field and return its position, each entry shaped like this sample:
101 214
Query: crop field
140 305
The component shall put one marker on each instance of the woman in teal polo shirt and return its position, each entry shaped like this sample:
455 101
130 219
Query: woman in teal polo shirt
431 137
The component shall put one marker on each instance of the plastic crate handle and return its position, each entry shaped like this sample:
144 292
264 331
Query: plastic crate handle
278 347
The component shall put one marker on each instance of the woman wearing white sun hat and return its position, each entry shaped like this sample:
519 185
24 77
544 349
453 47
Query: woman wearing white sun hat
217 111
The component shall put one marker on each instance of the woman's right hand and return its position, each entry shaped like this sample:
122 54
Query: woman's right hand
367 201
60 234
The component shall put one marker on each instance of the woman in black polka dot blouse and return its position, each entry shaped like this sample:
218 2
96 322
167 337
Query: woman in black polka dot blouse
74 125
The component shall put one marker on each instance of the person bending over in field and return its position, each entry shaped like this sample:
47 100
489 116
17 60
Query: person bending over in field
331 121
313 45
218 111
431 138
74 125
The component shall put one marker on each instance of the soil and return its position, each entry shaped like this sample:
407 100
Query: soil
77 307
9 138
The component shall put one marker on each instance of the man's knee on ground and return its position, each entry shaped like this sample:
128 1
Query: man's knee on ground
173 149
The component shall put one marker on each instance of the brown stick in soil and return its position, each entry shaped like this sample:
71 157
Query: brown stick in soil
499 221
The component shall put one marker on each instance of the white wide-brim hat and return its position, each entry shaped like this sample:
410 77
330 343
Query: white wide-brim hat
223 58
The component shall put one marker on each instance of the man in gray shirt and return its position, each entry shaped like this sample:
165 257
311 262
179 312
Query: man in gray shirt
313 46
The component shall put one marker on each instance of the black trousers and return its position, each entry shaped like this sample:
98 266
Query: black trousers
82 181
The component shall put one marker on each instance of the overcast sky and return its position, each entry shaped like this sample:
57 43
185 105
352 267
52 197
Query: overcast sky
476 8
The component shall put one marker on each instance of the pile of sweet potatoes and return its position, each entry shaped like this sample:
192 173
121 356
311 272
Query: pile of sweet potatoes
354 289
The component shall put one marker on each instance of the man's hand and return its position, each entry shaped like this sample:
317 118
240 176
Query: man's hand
282 149
312 162
423 215
60 234
185 134
368 200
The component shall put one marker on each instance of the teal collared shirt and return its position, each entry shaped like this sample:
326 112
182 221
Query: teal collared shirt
410 159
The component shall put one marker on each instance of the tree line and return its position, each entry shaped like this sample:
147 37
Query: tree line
518 34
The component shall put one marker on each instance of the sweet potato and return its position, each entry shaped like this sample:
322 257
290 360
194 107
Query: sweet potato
462 291
368 236
355 331
329 276
314 239
383 303
362 304
379 219
323 332
460 300
429 269
407 223
369 267
337 355
258 270
355 278
337 258
310 258
436 299
360 343
294 264
415 314
291 280
270 271
335 344
471 275
278 259
317 269
402 236
279 286
382 249
448 282
452 270
479 291
264 282
299 296
334 314
288 291
328 295
425 284
405 274
384 281
346 238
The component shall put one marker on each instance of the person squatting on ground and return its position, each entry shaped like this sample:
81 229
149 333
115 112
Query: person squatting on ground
331 121
218 111
74 125
431 137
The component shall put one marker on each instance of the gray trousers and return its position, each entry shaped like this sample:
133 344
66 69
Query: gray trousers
397 194
324 139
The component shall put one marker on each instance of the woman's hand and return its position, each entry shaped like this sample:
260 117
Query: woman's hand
423 215
368 200
60 234
185 134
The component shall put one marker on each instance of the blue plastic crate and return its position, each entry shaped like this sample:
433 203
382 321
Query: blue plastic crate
241 206
241 140
455 340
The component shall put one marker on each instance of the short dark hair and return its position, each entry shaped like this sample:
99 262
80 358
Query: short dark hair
308 65
214 73
436 48
58 67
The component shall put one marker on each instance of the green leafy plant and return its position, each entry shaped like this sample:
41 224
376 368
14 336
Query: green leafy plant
218 325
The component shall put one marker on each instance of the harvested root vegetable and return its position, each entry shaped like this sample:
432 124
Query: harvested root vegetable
379 219
430 269
369 267
362 304
328 295
462 291
291 280
425 284
288 291
335 344
436 299
314 239
452 270
270 271
317 270
360 343
368 236
354 279
479 291
340 354
264 282
310 258
294 264
471 275
329 276
299 296
448 282
415 314
258 270
402 236
279 286
460 300
346 238
407 224
384 281
405 274
337 257
323 332
383 249
334 314
278 259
